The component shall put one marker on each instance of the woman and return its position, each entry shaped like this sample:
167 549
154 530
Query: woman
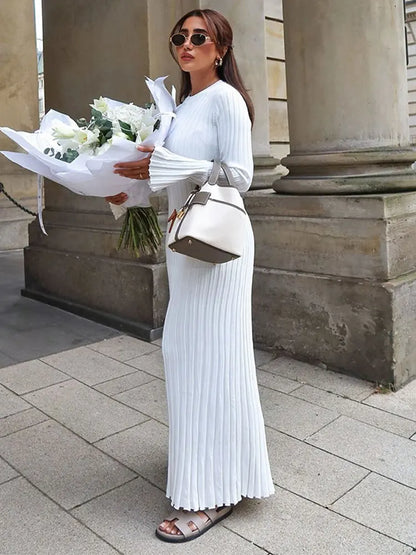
217 447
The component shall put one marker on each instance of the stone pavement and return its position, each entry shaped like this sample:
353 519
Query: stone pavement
83 447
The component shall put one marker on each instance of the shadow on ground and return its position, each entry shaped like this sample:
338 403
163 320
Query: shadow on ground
30 329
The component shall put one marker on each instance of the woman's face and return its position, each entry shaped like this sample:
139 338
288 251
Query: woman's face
196 58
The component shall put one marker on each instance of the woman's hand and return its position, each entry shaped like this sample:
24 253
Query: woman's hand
117 199
139 169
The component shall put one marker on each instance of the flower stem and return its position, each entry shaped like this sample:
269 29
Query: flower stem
140 233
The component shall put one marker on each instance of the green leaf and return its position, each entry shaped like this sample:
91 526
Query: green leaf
70 155
96 114
124 125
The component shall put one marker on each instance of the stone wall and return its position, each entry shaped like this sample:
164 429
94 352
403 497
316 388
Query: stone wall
411 68
276 78
19 110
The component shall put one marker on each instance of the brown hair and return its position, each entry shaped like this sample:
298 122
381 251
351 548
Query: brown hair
221 33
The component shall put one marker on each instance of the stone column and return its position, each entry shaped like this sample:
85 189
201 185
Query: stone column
347 97
19 109
247 21
335 276
93 48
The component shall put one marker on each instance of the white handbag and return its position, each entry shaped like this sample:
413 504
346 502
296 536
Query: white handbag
211 225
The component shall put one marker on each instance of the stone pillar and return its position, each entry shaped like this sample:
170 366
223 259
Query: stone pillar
93 48
347 97
19 110
247 21
335 277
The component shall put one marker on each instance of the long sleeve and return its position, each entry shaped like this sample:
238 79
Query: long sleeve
230 131
234 138
166 167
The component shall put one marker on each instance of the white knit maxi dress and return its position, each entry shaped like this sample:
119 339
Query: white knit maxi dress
217 445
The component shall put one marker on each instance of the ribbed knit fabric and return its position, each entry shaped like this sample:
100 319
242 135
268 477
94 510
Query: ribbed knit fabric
217 445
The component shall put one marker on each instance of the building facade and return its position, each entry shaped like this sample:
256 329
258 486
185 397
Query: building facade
333 213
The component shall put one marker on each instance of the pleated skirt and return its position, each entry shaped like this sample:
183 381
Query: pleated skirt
217 444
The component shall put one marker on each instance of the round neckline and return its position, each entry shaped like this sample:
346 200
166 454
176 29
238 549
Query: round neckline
206 88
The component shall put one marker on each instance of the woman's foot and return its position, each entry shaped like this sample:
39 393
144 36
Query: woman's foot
183 526
169 527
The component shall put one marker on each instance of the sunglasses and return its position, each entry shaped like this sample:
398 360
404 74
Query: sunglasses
197 39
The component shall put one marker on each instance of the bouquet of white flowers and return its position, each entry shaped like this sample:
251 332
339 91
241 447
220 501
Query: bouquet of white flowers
80 155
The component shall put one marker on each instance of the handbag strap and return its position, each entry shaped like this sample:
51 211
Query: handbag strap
216 168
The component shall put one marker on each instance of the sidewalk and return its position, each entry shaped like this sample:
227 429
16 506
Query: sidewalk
83 447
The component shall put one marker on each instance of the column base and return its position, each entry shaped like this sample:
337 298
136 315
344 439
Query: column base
77 266
335 281
266 172
380 170
140 330
14 221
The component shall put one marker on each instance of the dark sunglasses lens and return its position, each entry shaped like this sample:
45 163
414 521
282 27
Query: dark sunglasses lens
198 39
178 39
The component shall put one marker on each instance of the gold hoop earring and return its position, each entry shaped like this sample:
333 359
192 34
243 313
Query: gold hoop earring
218 62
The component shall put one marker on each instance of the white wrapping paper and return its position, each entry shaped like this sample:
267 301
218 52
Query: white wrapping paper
88 174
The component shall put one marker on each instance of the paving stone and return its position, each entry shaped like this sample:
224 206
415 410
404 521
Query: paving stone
356 410
90 331
149 399
318 377
32 524
143 448
119 385
263 357
87 366
88 413
380 451
310 472
383 505
293 416
402 402
157 342
287 524
10 403
62 465
28 314
276 382
151 363
123 347
128 516
31 375
21 420
6 360
37 342
6 472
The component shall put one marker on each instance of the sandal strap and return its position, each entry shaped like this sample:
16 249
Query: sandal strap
181 519
196 519
215 514
183 526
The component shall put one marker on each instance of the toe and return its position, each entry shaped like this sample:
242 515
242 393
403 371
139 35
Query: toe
163 525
